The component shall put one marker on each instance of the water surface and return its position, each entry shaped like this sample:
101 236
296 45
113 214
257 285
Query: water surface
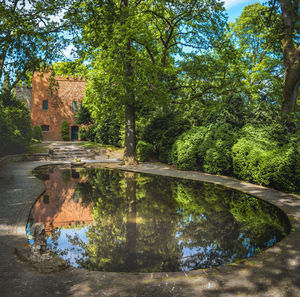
110 220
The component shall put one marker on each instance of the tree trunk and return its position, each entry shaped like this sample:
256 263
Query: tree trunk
2 57
130 157
291 55
130 143
292 79
131 227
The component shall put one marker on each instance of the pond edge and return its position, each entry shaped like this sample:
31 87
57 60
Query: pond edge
289 203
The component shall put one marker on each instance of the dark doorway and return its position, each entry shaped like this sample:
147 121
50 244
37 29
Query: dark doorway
74 133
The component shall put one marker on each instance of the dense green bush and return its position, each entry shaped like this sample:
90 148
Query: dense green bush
162 131
37 133
167 140
20 119
83 116
83 133
108 131
185 150
105 132
214 154
6 132
15 128
257 142
266 155
296 140
65 131
144 151
91 132
205 148
231 111
260 156
216 149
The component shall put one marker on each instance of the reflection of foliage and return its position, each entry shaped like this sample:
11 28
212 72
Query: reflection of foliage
155 223
260 223
227 224
72 254
110 238
100 183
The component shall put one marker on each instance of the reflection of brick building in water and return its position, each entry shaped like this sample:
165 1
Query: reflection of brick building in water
60 206
51 106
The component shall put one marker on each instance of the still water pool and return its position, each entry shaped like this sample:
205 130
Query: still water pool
109 220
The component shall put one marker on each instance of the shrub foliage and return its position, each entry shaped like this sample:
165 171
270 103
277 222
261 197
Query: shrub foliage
259 148
259 157
37 133
65 131
83 133
205 148
15 126
144 151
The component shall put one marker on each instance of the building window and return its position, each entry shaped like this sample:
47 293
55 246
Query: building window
75 105
45 104
45 128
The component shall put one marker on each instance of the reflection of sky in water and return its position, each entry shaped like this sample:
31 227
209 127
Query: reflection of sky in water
207 231
203 253
28 233
73 253
63 245
70 252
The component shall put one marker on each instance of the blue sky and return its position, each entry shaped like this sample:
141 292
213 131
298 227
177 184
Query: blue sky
235 7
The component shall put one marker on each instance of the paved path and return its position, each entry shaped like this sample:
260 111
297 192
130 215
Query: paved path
276 272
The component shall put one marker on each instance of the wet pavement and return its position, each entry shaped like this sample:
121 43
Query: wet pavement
275 272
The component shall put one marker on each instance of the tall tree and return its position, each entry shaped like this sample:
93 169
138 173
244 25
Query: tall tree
29 35
131 46
129 154
260 55
291 52
290 43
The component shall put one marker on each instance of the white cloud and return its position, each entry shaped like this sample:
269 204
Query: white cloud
67 52
231 3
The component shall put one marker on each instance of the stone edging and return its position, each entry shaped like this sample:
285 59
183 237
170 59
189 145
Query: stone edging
23 157
10 158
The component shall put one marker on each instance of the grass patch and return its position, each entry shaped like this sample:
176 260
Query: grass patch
99 146
38 148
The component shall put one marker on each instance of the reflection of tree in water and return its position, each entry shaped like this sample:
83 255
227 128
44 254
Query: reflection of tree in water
226 224
73 247
208 228
155 223
132 229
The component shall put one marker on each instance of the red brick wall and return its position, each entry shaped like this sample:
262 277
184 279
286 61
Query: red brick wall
59 103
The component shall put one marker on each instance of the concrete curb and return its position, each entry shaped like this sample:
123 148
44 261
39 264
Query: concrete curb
23 157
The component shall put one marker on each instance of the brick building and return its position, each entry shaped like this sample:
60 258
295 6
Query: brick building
50 106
